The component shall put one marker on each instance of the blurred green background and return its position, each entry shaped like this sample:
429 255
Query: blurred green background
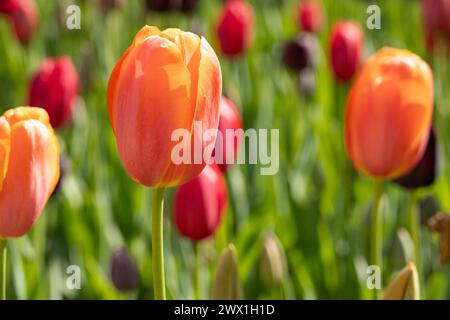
316 204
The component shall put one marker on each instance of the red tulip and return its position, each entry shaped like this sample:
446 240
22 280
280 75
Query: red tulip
235 27
345 49
388 114
23 16
436 20
310 16
199 204
229 119
54 87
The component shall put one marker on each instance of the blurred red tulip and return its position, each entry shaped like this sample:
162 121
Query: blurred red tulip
54 87
310 16
200 204
436 20
166 80
29 168
388 114
23 16
345 49
235 27
229 119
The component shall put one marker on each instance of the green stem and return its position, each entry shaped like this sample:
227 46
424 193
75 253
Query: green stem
414 229
376 230
2 269
157 244
196 271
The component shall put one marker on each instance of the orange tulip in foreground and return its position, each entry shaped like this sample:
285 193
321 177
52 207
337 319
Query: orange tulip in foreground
165 81
29 168
388 115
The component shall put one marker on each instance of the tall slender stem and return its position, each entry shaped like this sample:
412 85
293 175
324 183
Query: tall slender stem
2 269
414 229
376 256
196 271
157 244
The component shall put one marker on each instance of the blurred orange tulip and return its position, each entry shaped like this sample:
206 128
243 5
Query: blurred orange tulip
29 168
388 115
165 81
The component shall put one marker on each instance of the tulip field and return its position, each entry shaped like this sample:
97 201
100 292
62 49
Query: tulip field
354 99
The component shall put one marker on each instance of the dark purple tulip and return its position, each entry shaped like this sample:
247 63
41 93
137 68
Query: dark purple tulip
158 5
188 5
299 53
425 171
124 273
171 5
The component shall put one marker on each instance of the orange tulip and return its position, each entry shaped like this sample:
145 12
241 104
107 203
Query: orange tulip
29 168
164 81
388 115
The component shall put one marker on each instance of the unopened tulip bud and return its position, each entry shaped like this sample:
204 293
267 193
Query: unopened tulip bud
425 171
273 266
440 224
229 119
54 87
23 17
235 27
428 207
227 284
300 53
346 44
404 286
124 273
199 205
309 16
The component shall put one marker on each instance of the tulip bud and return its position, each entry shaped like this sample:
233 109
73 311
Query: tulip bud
164 85
345 49
403 248
54 87
29 168
307 82
440 223
124 273
386 126
227 284
300 53
235 27
425 171
229 119
309 16
273 266
23 17
428 207
436 21
200 204
404 286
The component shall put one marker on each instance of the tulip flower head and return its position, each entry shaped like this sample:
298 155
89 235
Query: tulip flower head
124 272
23 17
200 204
229 120
29 168
405 285
300 53
227 284
54 87
235 27
436 21
310 16
388 114
165 81
346 44
273 265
